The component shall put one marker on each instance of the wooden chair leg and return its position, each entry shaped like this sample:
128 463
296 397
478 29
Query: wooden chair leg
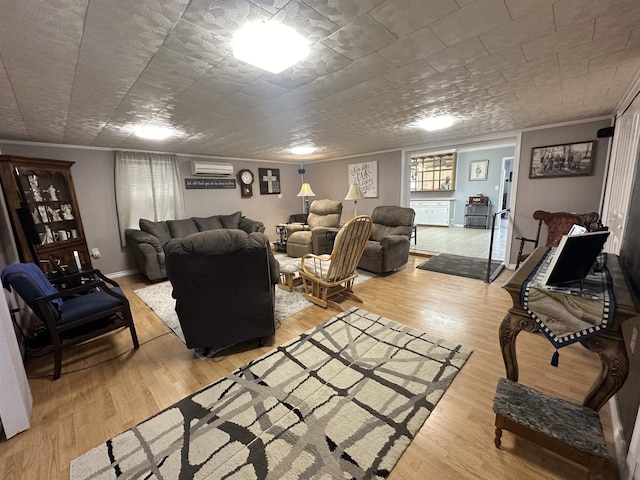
57 362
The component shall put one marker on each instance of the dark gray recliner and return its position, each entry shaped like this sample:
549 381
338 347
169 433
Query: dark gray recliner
224 285
388 247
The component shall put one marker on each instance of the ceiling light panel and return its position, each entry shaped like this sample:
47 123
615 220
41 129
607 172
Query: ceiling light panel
273 47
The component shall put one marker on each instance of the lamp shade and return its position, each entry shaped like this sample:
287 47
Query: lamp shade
305 191
354 192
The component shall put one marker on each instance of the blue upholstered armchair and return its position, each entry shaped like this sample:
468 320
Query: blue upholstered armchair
73 315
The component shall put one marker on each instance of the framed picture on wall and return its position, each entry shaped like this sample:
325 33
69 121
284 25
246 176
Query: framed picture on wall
269 180
366 176
478 169
566 160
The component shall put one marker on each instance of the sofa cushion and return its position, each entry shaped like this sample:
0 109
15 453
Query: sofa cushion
157 229
182 228
231 221
209 223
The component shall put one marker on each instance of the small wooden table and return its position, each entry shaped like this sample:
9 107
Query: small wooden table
608 344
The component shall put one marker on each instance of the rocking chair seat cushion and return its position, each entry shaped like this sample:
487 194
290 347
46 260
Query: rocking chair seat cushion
83 306
319 269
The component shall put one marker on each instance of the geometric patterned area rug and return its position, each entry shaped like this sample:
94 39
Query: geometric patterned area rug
461 266
343 400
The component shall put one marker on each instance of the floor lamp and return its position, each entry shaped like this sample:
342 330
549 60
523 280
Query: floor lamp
305 191
355 194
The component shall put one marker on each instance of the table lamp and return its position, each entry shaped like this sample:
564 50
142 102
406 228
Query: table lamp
305 191
355 194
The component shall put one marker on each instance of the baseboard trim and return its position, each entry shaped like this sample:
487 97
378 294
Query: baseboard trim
123 273
618 438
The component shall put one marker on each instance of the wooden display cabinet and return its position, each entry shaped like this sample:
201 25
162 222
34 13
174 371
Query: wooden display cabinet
44 212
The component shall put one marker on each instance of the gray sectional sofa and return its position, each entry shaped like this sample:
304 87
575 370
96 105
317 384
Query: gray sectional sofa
147 243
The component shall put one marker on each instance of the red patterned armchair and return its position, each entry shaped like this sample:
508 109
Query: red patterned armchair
558 224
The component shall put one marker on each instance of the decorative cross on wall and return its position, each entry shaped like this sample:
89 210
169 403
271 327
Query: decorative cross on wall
269 179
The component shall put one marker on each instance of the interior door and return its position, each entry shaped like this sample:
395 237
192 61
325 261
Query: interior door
622 167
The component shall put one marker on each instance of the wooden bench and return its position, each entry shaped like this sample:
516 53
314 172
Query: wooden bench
571 430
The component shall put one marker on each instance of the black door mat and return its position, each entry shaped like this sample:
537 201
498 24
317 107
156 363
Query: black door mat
462 266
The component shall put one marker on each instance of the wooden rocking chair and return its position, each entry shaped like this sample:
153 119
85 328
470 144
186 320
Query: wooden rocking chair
325 276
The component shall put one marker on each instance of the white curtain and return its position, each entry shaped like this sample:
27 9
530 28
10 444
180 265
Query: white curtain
148 185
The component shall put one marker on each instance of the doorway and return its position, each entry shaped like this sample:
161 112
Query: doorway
451 236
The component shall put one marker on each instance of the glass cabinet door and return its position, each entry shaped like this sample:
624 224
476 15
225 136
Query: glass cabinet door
47 197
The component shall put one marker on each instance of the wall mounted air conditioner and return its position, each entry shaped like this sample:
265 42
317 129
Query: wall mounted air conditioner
211 168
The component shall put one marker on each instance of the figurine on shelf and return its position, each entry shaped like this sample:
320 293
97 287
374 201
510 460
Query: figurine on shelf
47 236
53 193
36 217
66 211
54 214
43 213
35 188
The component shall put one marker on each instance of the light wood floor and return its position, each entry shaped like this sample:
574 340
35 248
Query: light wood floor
83 409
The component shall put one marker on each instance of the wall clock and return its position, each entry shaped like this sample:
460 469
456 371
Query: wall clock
245 177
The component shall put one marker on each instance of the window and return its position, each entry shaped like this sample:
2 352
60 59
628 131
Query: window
434 172
147 186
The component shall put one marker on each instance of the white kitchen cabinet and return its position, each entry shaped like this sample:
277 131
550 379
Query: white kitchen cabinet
432 212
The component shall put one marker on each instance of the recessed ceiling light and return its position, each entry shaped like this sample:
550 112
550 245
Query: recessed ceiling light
303 150
271 46
154 132
436 123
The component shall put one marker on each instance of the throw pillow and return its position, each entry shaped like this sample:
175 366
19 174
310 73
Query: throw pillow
209 223
157 229
181 228
231 221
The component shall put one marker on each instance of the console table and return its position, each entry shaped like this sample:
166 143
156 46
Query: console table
608 344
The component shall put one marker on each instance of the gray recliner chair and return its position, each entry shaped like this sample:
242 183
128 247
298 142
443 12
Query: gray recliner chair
224 285
316 236
388 246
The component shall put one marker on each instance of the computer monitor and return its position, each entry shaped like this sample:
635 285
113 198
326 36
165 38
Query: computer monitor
574 257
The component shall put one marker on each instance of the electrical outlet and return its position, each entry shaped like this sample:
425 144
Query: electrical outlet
634 337
95 253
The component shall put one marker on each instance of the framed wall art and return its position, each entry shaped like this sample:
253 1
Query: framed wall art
566 160
269 180
366 176
478 169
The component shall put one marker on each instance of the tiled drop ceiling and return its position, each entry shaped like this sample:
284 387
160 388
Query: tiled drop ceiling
83 72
